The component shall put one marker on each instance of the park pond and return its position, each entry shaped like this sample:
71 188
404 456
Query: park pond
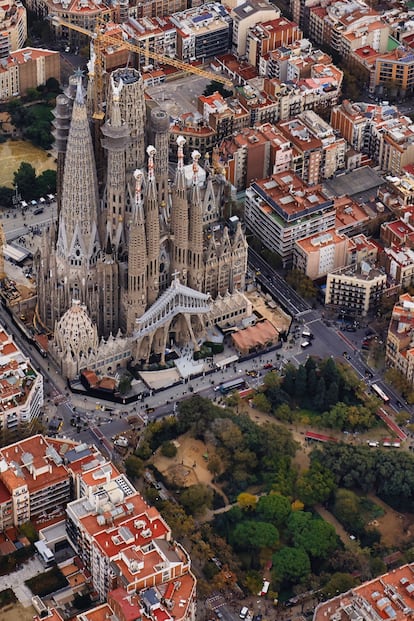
13 152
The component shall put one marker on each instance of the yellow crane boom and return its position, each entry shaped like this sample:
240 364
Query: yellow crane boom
101 39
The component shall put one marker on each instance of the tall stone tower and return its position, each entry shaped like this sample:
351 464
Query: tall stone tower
152 229
132 106
137 259
61 123
78 245
179 218
115 142
196 237
159 132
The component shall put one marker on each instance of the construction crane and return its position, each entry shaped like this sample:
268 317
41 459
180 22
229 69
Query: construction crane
101 39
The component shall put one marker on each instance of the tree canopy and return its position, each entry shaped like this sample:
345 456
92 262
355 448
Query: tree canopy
274 508
388 474
251 534
32 187
314 535
290 565
217 87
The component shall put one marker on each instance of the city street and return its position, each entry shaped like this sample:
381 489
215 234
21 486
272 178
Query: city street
287 297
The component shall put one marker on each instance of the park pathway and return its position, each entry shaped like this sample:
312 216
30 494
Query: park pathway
339 529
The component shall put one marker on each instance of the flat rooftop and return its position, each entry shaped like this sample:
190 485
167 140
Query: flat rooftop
353 183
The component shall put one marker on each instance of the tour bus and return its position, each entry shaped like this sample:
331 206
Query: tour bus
230 386
380 393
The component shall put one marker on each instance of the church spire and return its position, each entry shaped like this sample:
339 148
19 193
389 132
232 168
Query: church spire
115 142
137 259
77 241
179 217
152 229
195 255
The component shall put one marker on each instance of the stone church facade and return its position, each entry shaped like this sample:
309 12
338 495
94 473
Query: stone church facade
136 262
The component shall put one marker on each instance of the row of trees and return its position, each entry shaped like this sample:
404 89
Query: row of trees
30 185
34 122
390 475
330 391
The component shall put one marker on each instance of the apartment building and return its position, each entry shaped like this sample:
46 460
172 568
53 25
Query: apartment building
223 116
34 481
21 389
362 249
395 144
313 93
333 146
378 131
399 264
154 34
390 592
399 353
149 605
245 156
292 61
13 26
27 68
351 219
355 122
202 32
268 36
356 289
127 545
247 15
346 26
321 253
154 8
217 119
398 233
401 187
253 153
197 134
308 148
395 68
261 107
283 208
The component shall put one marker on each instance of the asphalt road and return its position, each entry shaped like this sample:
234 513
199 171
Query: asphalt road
276 285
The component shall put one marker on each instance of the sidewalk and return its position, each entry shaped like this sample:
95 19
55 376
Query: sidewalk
16 580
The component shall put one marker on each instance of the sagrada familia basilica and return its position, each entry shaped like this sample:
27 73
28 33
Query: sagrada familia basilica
137 263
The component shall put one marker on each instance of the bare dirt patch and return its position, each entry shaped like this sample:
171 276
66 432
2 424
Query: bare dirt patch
189 466
395 528
17 611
